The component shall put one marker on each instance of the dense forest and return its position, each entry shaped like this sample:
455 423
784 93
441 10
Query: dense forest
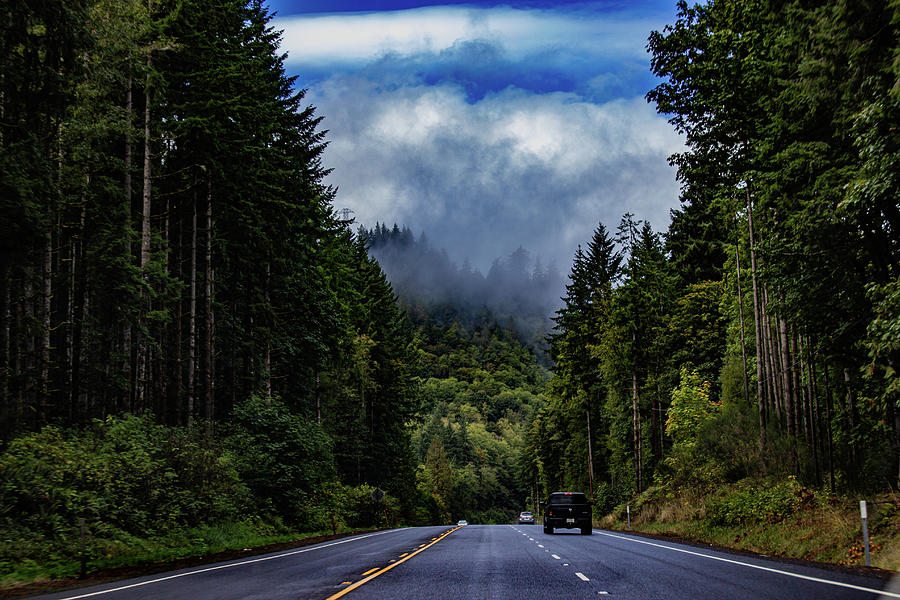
759 336
189 333
481 388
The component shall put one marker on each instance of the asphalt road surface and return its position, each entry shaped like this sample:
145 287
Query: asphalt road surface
497 561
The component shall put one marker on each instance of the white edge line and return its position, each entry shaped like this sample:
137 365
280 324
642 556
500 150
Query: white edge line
884 593
228 566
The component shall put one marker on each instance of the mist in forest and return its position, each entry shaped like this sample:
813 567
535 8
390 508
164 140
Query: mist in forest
519 291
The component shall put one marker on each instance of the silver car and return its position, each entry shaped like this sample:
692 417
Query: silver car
526 518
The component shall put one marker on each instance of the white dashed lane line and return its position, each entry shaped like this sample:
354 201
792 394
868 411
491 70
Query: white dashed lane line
580 576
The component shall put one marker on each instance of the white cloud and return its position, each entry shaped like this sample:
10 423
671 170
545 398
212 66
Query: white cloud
445 119
358 37
540 170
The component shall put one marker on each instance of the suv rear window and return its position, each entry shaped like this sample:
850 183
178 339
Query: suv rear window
570 498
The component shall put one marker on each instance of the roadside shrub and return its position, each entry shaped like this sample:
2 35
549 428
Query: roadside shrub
335 507
129 478
607 496
282 458
731 442
765 501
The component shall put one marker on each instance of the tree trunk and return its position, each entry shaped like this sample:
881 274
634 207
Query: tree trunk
6 412
786 387
773 380
801 412
757 318
209 346
636 422
143 346
813 401
318 400
268 374
28 335
737 262
590 450
192 321
177 374
127 186
46 308
828 413
78 305
850 407
774 404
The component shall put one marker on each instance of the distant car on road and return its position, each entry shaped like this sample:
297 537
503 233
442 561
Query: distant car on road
526 518
461 523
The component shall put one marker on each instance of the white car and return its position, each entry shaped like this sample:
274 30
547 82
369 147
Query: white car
461 523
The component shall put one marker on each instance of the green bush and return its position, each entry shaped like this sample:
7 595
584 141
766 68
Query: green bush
282 458
128 477
765 501
607 496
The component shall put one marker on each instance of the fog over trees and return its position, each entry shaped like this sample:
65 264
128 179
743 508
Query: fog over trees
519 291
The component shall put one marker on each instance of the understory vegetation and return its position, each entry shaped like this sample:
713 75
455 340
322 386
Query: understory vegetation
777 517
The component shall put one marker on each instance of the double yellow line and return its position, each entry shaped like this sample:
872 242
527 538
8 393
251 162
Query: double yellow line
403 559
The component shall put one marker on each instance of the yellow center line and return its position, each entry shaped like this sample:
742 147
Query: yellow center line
361 582
370 571
404 554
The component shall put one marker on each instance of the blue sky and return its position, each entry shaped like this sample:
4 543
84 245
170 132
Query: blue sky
487 125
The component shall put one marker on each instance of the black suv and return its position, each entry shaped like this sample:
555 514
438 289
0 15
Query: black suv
567 510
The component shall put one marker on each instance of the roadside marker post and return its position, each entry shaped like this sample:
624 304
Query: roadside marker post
864 513
628 512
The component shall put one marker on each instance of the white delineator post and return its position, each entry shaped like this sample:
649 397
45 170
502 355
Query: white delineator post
863 512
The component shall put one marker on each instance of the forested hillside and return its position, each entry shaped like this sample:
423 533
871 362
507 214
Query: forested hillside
759 335
480 390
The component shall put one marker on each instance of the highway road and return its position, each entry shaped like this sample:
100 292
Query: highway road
496 561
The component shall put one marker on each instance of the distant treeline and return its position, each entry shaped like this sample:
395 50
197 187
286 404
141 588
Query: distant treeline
759 335
518 292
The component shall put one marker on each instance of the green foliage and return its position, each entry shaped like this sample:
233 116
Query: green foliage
883 339
336 507
481 388
126 473
691 407
282 458
765 501
690 412
129 478
607 497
